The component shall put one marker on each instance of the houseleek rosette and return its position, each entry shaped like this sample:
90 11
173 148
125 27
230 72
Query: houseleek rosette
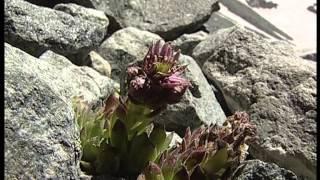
207 153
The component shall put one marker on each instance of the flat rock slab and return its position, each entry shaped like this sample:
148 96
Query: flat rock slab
167 18
36 29
41 139
199 104
276 87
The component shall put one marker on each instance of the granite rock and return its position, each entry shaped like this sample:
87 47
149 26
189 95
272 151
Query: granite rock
41 139
35 29
276 87
169 19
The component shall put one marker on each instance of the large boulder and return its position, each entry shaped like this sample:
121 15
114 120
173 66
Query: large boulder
169 19
199 104
256 169
41 139
276 87
36 29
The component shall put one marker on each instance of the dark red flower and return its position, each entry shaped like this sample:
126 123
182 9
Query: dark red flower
158 80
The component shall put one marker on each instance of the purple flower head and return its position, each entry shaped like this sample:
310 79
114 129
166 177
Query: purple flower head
161 60
158 80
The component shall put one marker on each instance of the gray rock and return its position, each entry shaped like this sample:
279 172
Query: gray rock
169 19
204 49
187 42
256 169
126 46
73 80
36 29
277 88
218 21
83 13
99 64
285 47
41 139
198 105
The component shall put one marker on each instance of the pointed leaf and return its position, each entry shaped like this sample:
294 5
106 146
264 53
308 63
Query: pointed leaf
89 152
119 137
108 161
182 174
153 172
168 166
141 152
158 137
198 174
195 158
216 162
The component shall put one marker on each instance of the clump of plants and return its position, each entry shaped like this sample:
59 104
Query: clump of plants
119 138
209 152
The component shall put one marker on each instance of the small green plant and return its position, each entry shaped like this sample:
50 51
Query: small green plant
119 138
207 153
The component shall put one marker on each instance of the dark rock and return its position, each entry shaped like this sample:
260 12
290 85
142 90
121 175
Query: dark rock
313 8
36 29
310 56
256 169
276 87
49 4
169 19
262 4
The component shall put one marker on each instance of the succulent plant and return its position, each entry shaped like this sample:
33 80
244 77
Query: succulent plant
157 80
119 138
207 153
